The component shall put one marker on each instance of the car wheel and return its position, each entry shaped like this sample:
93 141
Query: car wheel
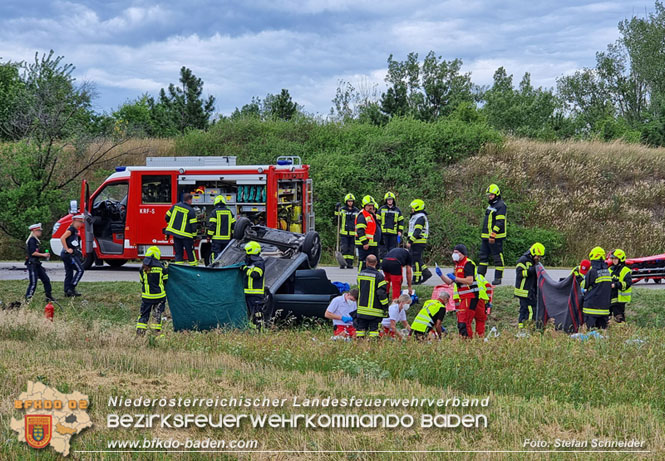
657 281
115 263
241 226
312 248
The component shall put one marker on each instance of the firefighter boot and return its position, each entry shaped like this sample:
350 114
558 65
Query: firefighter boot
498 275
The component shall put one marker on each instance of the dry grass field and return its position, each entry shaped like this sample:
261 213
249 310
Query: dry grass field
547 386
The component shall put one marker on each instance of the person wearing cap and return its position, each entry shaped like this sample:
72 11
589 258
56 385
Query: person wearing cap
580 271
598 295
71 256
33 256
254 283
464 278
220 227
181 225
493 234
368 231
339 311
526 286
392 224
622 285
417 240
347 229
430 317
153 276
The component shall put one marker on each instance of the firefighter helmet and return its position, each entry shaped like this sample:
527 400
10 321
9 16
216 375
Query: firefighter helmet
253 248
153 252
596 254
619 254
493 189
368 200
348 197
537 249
389 195
220 198
417 205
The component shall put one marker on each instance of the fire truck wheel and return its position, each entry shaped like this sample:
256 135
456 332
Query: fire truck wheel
657 281
88 261
312 248
116 262
240 227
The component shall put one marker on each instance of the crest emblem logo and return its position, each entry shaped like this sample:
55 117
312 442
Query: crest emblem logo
38 430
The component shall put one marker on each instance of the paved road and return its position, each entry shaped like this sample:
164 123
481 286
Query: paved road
128 272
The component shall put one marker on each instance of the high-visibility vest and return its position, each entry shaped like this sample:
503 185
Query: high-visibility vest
623 295
365 229
423 226
465 291
424 321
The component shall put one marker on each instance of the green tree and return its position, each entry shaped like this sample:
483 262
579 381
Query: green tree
426 91
181 107
136 115
280 106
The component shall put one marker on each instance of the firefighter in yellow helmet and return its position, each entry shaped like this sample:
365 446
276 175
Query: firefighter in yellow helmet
493 234
598 294
153 277
220 226
368 231
622 285
254 283
526 286
392 224
418 234
347 229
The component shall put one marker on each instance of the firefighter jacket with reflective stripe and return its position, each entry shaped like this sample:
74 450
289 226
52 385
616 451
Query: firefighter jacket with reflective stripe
153 280
254 275
526 279
367 230
347 224
431 310
598 284
392 220
623 283
580 278
220 223
372 294
464 268
495 219
418 227
181 220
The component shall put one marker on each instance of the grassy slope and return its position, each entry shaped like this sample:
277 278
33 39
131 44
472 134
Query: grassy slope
545 386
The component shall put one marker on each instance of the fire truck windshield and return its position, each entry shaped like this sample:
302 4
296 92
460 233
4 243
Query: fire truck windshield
116 192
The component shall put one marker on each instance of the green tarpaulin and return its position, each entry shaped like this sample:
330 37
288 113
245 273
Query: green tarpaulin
202 298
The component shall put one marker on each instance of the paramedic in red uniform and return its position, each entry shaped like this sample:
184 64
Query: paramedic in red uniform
464 278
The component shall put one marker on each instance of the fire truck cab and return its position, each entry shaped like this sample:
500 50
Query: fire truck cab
126 214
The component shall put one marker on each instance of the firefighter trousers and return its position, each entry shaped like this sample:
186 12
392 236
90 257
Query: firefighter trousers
363 254
388 242
495 250
618 310
256 309
182 245
157 307
420 271
527 311
347 245
216 248
36 272
596 321
73 270
367 327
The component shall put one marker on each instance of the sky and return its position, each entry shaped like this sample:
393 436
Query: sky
250 48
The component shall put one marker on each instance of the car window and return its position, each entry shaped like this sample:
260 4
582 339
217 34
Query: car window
115 191
156 189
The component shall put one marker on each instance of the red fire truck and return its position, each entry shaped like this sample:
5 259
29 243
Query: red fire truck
125 215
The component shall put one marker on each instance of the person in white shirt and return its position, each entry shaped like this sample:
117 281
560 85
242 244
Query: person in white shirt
339 311
396 313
